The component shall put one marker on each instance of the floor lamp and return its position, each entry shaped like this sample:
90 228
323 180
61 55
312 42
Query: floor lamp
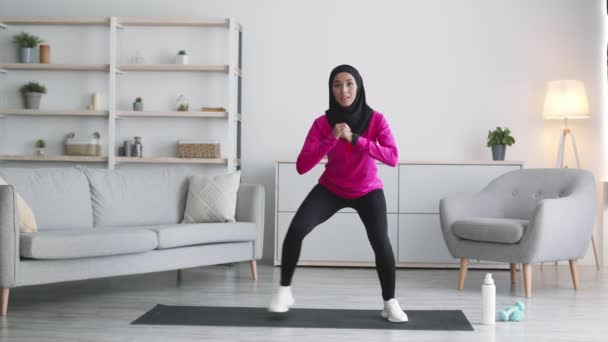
567 99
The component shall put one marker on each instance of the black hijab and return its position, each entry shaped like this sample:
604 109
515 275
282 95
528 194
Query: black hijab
358 114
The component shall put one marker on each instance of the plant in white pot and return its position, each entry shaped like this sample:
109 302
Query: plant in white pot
181 58
32 93
40 146
26 43
498 140
138 105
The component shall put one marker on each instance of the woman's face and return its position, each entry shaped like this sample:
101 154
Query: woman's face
344 89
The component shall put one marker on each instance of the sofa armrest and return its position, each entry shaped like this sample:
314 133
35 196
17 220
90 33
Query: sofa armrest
9 237
560 229
250 205
454 208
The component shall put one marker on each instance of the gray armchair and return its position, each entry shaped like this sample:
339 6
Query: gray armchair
525 216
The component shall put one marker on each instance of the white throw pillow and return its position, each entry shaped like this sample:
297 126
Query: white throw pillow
212 198
27 220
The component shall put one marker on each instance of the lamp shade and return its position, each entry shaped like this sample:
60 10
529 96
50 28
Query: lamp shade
566 99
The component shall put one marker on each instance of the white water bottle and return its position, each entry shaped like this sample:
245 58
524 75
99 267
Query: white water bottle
488 298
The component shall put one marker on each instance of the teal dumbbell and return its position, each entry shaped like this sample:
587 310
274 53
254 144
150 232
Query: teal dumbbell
513 313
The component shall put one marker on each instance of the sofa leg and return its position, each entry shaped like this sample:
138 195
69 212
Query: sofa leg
574 271
513 273
528 280
5 291
462 274
254 270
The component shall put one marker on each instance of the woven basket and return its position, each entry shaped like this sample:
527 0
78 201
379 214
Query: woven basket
198 150
83 149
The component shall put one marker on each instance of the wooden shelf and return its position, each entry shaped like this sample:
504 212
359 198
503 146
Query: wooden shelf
171 160
133 21
80 159
55 67
54 21
173 67
173 114
43 112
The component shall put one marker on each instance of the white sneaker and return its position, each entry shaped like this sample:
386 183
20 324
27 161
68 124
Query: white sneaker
282 300
393 312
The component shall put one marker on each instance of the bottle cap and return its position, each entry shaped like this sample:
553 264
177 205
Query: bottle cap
488 280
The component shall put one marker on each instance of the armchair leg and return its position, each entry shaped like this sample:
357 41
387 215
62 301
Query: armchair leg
574 271
462 274
528 280
254 270
597 261
513 273
5 292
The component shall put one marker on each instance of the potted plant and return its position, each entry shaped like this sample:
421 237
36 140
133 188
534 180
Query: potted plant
498 140
26 43
32 93
138 105
182 57
40 146
182 103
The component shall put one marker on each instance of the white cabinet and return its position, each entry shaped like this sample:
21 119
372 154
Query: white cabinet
412 190
422 186
342 238
292 188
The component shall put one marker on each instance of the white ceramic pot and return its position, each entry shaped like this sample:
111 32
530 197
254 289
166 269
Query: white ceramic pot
181 59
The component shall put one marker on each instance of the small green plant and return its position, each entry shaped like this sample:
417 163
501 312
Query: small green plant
183 107
33 87
26 40
40 143
138 99
500 137
182 52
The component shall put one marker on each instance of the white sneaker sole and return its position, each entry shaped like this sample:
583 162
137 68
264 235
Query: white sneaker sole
384 314
280 308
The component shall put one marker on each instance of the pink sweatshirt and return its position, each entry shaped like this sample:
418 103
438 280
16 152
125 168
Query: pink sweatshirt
351 171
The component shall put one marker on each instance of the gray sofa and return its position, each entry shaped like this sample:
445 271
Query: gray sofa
96 223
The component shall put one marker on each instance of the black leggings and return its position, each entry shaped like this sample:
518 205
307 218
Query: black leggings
318 207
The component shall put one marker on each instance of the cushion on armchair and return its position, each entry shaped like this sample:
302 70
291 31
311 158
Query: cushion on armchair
498 230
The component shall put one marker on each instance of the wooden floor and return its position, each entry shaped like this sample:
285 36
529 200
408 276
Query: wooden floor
102 309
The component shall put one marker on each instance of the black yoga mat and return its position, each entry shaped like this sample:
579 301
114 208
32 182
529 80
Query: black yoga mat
454 320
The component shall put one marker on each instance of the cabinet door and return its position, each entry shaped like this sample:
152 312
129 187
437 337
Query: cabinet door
293 187
422 186
341 238
421 241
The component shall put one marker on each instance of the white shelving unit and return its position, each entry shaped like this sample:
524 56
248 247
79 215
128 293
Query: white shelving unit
232 70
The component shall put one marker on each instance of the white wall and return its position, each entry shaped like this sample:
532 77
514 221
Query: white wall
443 72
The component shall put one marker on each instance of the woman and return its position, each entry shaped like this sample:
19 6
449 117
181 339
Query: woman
354 137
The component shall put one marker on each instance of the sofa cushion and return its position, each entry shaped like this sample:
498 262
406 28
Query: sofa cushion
490 229
27 219
178 235
83 243
136 197
59 197
212 198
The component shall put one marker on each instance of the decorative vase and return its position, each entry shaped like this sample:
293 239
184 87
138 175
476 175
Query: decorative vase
45 54
40 152
498 152
138 106
32 100
181 103
25 55
181 59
